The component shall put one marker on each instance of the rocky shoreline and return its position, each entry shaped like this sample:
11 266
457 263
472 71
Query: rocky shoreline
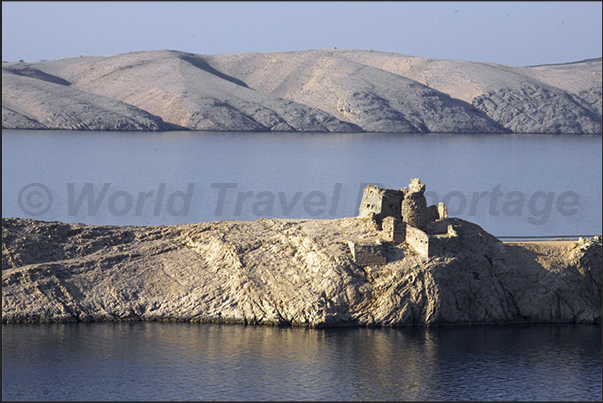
288 272
324 90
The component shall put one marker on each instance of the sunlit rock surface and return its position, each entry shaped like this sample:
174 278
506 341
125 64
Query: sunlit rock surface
288 272
329 90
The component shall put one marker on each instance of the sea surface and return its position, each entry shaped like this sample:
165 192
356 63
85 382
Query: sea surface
511 185
183 361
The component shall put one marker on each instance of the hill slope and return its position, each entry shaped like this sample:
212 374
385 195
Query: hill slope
317 90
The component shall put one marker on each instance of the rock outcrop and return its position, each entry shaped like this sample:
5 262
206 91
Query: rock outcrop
288 272
333 90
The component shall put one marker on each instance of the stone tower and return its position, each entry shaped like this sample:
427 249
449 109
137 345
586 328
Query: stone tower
382 202
414 205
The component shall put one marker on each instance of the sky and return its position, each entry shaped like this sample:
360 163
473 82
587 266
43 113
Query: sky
511 33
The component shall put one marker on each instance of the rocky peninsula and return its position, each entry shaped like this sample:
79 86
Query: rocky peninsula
370 270
327 90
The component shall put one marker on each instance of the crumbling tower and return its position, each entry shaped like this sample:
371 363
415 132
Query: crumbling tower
414 205
380 203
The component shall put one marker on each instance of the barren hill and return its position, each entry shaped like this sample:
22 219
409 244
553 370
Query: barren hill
334 90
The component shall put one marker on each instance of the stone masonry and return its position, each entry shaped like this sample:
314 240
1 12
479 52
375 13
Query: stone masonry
403 216
393 229
414 205
365 254
382 202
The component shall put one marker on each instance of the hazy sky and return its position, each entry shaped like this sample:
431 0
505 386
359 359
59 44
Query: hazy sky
514 33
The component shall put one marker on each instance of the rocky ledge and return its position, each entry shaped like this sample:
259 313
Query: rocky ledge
289 272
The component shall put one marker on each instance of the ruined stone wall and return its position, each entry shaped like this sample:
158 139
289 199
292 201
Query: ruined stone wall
437 227
442 242
442 211
403 216
391 205
414 204
418 240
367 254
371 201
393 230
382 202
430 214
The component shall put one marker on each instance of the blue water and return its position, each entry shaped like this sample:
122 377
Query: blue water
508 184
176 361
530 185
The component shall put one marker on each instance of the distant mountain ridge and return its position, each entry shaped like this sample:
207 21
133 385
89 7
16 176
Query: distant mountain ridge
327 90
595 60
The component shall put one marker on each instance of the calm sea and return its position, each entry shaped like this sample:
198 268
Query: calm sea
511 185
172 361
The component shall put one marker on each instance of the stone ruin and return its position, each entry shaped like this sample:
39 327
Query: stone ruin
367 254
403 217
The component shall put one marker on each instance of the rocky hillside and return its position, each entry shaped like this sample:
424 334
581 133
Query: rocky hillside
332 90
297 272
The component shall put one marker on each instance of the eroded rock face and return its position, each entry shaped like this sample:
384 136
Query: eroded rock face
541 109
294 272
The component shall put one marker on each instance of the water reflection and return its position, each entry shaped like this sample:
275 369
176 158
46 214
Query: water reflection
149 361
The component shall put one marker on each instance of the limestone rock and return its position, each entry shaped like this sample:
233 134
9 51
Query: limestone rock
289 272
540 109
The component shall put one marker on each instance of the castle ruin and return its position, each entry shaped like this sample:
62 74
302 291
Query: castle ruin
402 216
